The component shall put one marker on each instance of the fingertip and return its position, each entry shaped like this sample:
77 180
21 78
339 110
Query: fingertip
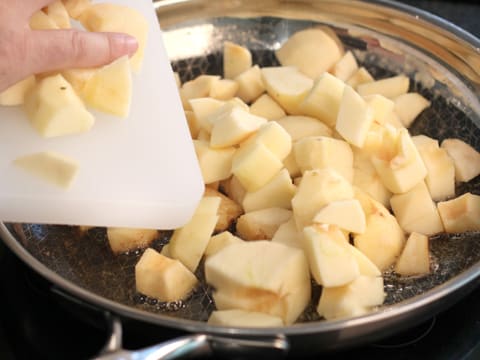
123 44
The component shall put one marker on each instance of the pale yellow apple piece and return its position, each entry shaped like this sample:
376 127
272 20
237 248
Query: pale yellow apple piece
357 298
287 86
236 59
465 159
109 89
122 240
416 211
228 210
203 108
162 278
260 276
287 234
166 250
218 110
461 214
223 89
54 109
242 318
317 189
108 17
345 67
322 152
215 164
361 76
391 87
193 124
354 118
331 263
408 106
383 240
324 98
189 242
415 257
15 94
291 165
278 192
302 126
220 241
234 127
266 107
199 87
346 214
234 189
256 166
250 84
261 224
440 177
178 81
381 106
76 7
78 78
312 51
41 21
57 11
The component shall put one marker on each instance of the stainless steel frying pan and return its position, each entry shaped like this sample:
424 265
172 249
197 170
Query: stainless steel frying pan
444 65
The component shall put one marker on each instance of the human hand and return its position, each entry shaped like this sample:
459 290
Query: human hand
24 52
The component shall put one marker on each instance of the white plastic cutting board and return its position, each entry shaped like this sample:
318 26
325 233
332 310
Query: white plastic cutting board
135 172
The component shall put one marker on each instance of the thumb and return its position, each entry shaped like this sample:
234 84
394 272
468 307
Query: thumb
60 49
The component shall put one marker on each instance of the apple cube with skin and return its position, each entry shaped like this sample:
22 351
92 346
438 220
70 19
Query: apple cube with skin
107 17
54 168
76 7
465 159
41 21
322 152
416 211
203 108
391 87
234 127
261 224
383 239
287 234
236 60
260 276
266 107
331 263
57 11
415 257
346 214
109 89
162 278
250 84
242 318
381 106
399 165
354 118
356 298
317 189
255 166
440 177
278 192
122 240
215 164
460 214
54 109
408 106
199 87
15 94
323 100
228 210
223 89
361 76
302 126
345 67
220 241
287 86
189 242
312 51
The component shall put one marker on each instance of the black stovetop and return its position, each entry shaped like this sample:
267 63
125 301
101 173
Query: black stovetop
32 326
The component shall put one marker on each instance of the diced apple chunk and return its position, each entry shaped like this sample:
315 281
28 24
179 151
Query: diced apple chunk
261 224
266 107
57 11
250 84
408 106
122 240
345 67
54 108
236 60
274 137
220 241
41 21
287 234
460 214
260 276
302 126
346 214
381 106
416 211
203 108
78 78
215 164
389 87
223 89
415 257
52 167
76 7
234 189
228 210
162 278
242 318
199 87
15 94
312 51
361 76
465 159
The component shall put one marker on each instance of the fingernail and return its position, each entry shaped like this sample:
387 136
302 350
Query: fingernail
124 40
